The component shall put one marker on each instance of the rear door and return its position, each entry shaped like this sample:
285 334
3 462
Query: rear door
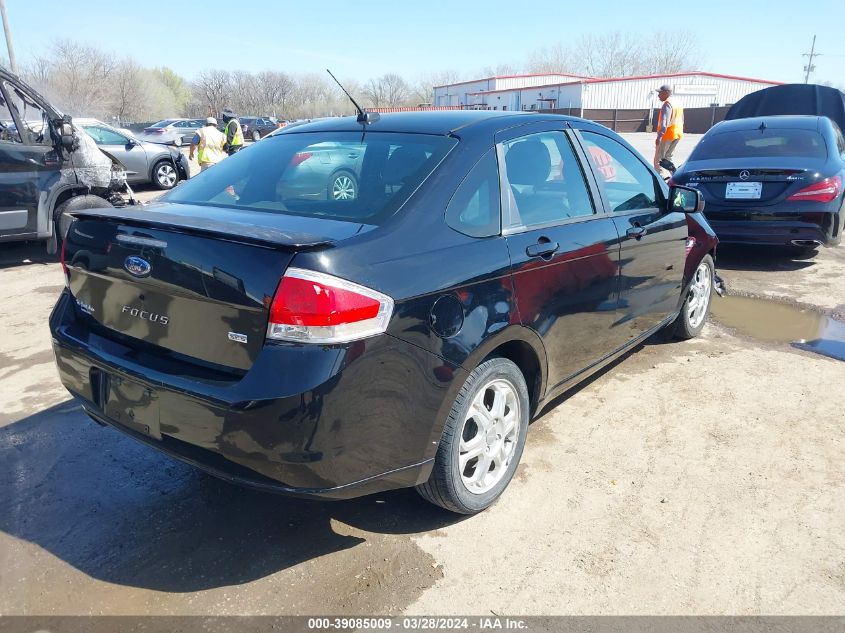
653 241
564 250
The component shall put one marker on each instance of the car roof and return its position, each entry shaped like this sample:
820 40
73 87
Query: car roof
777 122
425 122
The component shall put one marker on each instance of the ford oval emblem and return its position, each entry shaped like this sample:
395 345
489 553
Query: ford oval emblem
137 266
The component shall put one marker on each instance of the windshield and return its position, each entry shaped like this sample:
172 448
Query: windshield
334 175
164 123
761 144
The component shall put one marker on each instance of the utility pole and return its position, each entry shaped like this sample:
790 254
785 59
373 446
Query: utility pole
12 64
808 68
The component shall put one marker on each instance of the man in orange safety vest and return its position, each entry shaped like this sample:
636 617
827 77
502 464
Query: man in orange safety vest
670 127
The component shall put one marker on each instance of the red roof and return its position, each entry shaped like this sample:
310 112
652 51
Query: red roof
472 81
587 80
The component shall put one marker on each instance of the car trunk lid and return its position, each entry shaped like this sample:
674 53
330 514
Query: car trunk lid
756 183
199 288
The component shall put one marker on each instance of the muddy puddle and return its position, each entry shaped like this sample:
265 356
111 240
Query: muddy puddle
778 322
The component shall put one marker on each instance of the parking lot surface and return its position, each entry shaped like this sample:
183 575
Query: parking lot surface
702 477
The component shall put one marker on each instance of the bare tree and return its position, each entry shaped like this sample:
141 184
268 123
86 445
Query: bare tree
244 98
77 77
312 92
275 92
672 52
552 59
620 54
389 90
128 91
500 69
422 90
213 88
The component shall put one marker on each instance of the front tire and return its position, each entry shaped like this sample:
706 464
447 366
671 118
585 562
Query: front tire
482 440
165 176
256 136
690 321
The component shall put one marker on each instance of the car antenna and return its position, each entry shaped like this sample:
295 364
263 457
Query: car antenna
364 118
762 127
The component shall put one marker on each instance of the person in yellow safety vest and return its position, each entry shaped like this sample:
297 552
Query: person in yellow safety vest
670 127
233 131
210 142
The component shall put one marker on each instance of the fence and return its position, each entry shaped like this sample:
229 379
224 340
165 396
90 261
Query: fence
696 120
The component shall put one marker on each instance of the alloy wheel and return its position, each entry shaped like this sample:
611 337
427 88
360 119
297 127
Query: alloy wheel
343 188
166 175
698 299
489 436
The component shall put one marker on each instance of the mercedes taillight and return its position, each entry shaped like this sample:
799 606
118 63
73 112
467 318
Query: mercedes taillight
826 190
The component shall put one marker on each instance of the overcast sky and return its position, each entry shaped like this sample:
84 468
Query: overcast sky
363 39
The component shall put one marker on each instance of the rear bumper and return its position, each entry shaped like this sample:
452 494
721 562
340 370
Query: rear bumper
768 233
328 422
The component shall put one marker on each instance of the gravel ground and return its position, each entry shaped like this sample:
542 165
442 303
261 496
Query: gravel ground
702 477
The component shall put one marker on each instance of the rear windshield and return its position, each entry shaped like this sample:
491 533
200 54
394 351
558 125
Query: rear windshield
164 123
336 175
761 144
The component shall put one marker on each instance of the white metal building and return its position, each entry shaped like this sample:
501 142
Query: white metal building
540 92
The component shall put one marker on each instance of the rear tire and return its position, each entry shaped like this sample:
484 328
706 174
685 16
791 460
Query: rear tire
256 136
482 440
696 308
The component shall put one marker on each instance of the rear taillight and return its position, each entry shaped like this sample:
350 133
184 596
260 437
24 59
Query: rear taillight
825 190
312 307
690 244
65 269
299 158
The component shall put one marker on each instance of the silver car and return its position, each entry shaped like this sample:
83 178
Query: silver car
145 162
172 131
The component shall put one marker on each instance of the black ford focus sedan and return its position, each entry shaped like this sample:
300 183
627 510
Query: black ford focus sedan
771 180
401 337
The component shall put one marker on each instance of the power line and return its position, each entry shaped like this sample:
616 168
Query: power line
809 67
9 46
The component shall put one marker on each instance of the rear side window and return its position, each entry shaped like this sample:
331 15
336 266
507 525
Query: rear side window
628 184
765 143
334 175
104 136
475 209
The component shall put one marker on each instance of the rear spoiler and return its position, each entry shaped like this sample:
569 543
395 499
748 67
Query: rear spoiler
228 230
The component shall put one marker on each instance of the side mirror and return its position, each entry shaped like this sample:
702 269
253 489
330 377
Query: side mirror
69 141
685 200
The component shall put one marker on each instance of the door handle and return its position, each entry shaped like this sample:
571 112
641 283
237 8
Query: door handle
636 232
543 248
